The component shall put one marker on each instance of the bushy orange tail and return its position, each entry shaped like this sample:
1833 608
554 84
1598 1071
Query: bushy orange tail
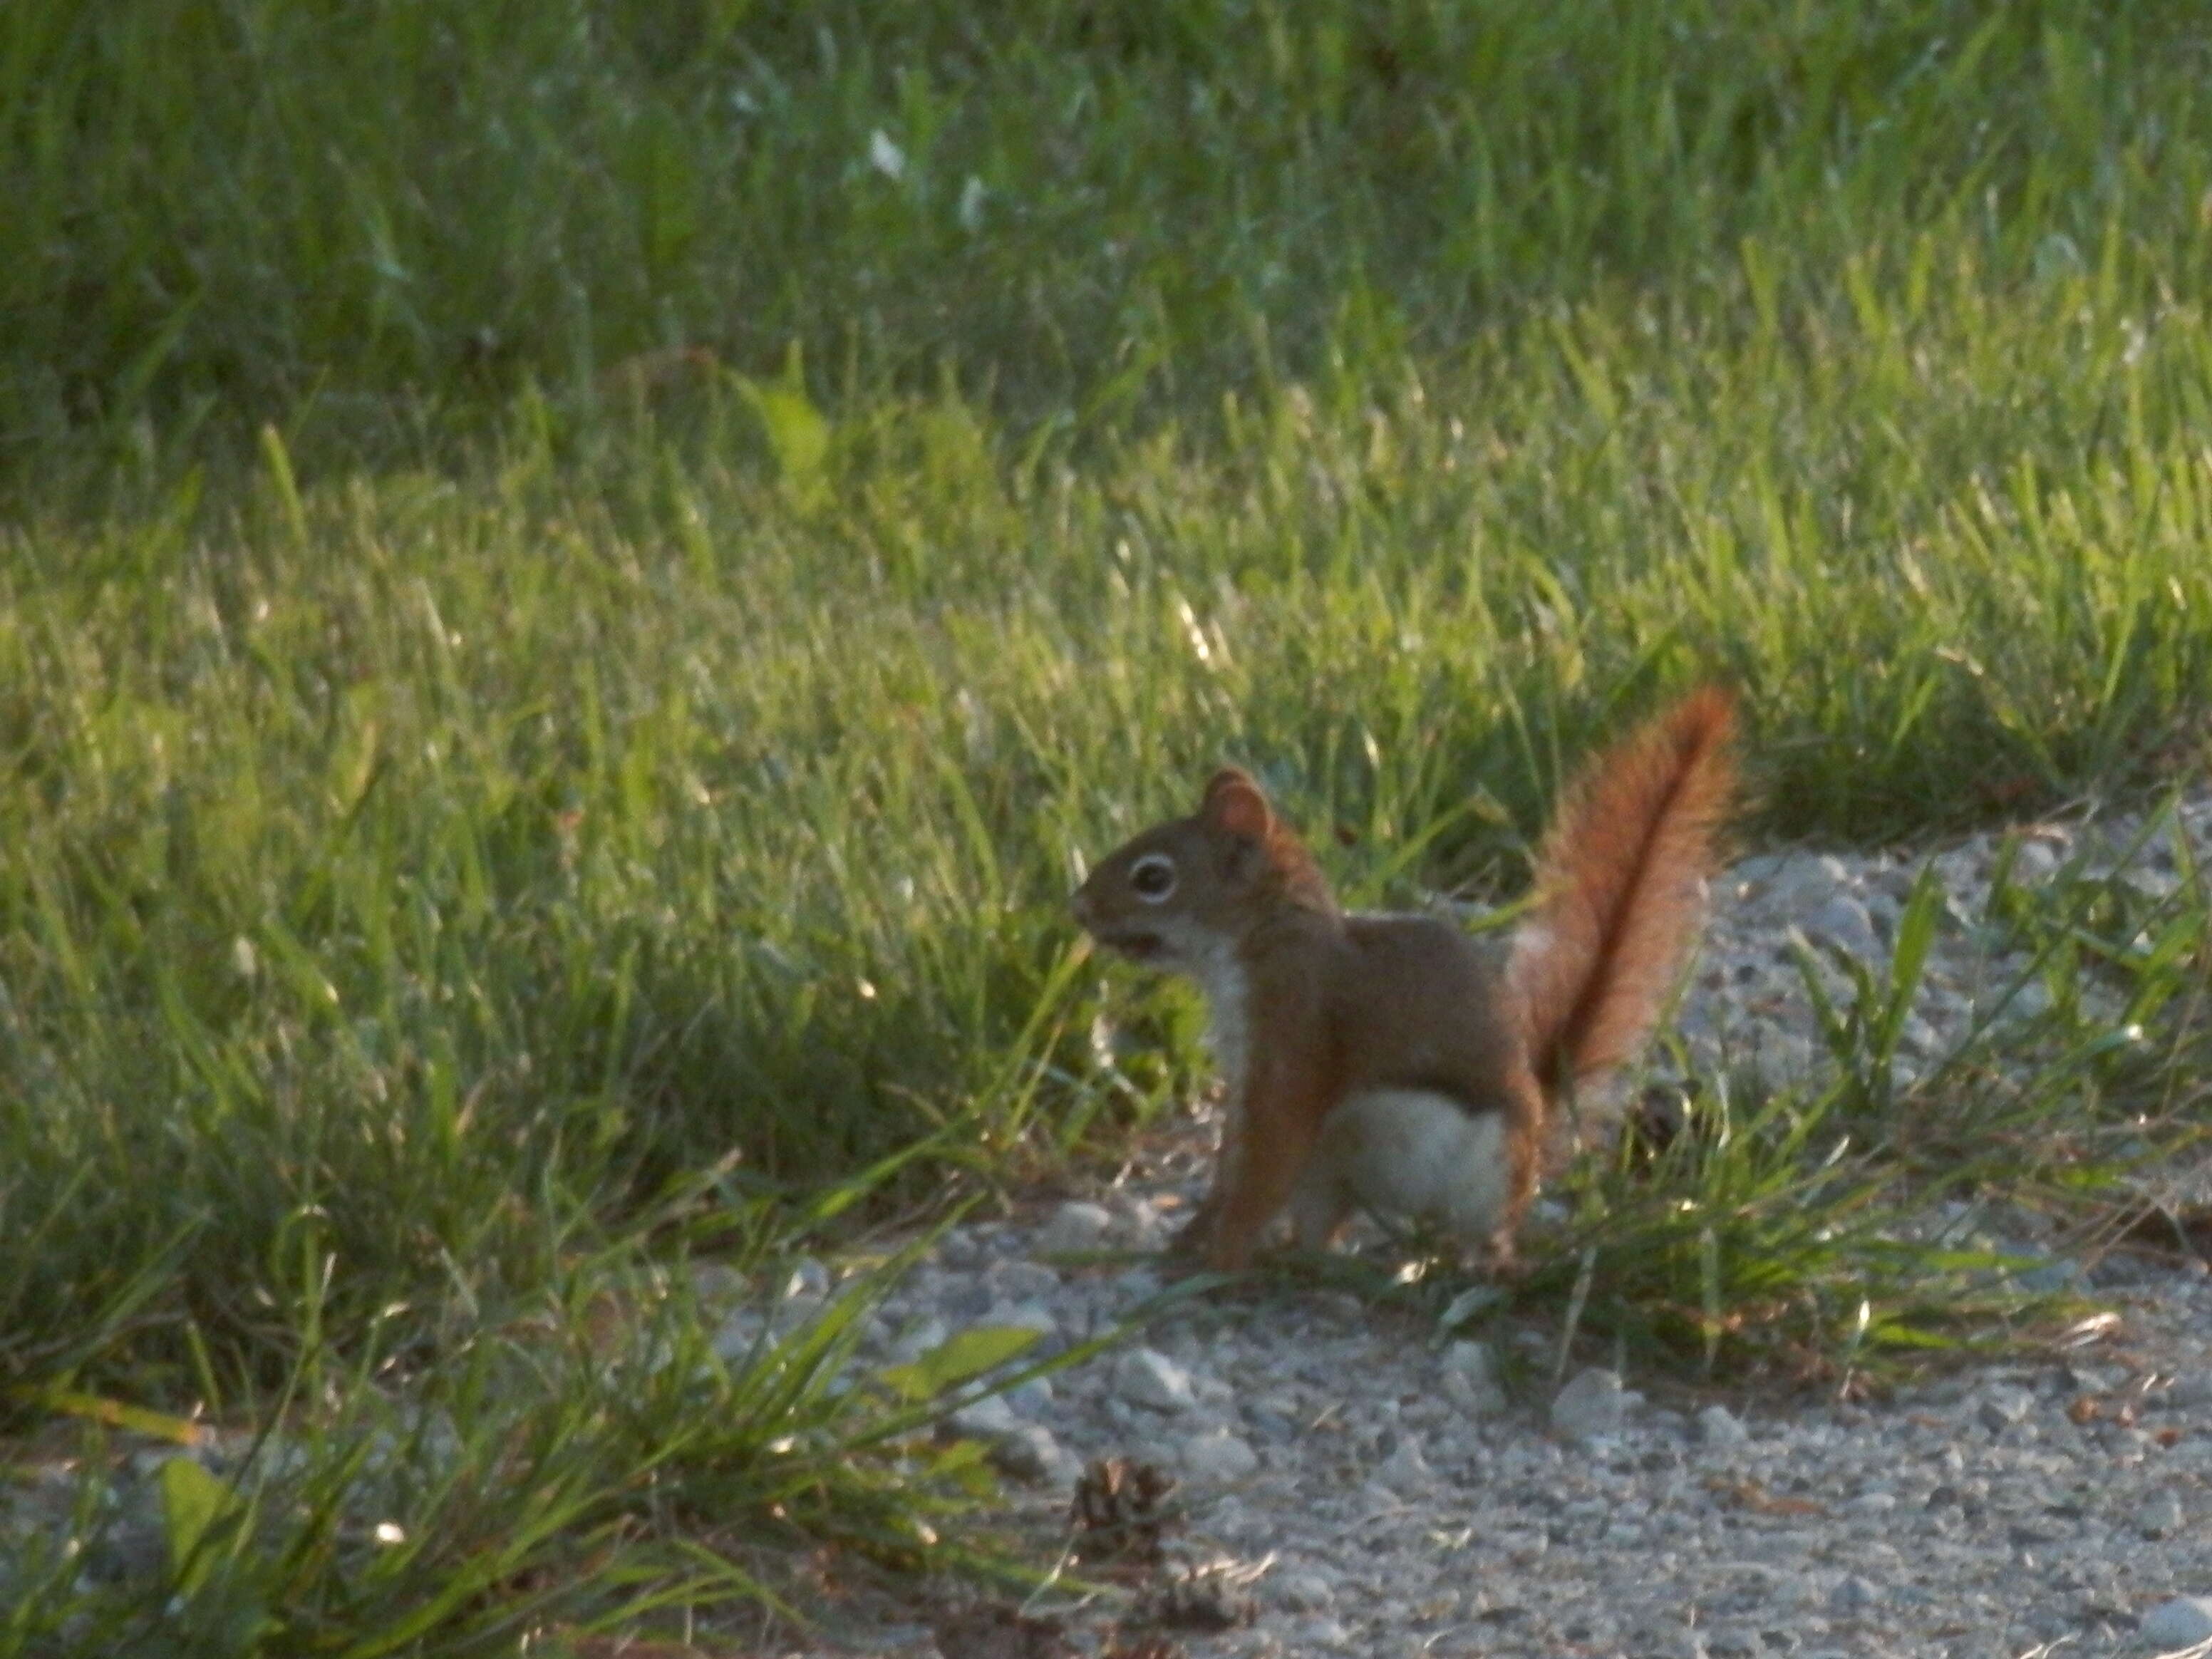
1620 891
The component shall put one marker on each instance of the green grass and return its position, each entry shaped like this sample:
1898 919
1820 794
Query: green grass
565 622
586 1464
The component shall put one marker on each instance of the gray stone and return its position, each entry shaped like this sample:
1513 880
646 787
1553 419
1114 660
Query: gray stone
795 1313
1919 1037
1138 1284
1404 1471
979 1419
1472 1360
964 1300
1319 1633
2085 1378
2002 1408
1470 1377
963 1247
735 1338
2161 1517
809 1280
1074 1228
2190 1390
1029 1452
1798 880
1854 1597
1720 1428
1842 922
2181 1623
717 1284
1759 869
1303 1589
1589 1406
1218 1456
1144 1376
1032 1399
1022 1281
2029 1001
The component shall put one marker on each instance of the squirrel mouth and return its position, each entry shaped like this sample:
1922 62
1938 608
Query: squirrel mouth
1139 944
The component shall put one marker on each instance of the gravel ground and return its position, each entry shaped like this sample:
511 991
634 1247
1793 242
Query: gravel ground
1373 1496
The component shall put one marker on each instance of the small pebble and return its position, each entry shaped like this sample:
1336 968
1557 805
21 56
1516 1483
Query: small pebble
1074 1228
738 1336
1404 1471
2181 1623
1030 1451
1854 1597
809 1279
1589 1405
980 1419
1303 1589
1144 1376
2002 1407
1319 1633
2161 1517
1219 1457
1022 1281
1842 922
1721 1428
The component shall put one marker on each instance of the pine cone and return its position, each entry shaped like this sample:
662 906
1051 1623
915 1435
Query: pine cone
1122 1510
1204 1599
1120 1645
991 1631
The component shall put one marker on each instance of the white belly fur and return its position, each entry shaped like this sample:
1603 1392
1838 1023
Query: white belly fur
1228 1034
1406 1153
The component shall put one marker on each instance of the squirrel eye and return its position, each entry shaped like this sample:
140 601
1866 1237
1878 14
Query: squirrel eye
1153 878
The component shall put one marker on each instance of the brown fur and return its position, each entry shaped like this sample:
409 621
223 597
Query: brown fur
1313 1007
1621 880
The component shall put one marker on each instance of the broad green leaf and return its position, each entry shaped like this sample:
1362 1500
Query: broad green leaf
798 434
191 1501
955 1360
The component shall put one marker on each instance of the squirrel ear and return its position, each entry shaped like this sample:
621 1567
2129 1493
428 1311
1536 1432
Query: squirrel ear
1227 777
1234 803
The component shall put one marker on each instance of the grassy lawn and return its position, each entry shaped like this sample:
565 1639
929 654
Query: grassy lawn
577 579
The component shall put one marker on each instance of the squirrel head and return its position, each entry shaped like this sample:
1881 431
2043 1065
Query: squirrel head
1176 893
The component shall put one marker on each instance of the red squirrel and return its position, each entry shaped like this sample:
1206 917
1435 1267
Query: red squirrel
1389 1061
